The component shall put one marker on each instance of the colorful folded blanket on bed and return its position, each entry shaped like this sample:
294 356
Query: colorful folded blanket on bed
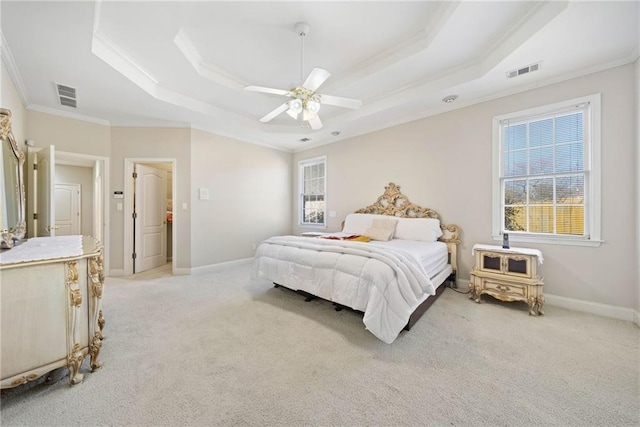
352 238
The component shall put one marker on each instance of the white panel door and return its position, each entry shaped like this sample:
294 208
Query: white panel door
67 208
44 192
150 218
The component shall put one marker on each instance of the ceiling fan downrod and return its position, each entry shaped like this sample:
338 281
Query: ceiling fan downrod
302 28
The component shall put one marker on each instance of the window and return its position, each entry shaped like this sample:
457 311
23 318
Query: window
312 191
547 173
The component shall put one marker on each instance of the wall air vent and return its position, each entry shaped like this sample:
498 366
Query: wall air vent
67 95
523 70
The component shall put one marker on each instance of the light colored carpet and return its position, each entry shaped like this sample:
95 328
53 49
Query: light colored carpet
224 349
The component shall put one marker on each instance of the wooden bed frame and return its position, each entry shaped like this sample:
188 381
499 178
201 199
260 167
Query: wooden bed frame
393 203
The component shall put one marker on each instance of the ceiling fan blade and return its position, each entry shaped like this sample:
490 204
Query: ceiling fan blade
340 102
274 113
315 122
267 90
315 79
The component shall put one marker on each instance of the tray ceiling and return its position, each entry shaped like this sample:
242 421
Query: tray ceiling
186 63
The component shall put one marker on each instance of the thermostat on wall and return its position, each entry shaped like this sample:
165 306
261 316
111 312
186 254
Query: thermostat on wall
118 195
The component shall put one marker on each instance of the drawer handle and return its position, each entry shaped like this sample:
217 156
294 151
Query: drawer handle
506 288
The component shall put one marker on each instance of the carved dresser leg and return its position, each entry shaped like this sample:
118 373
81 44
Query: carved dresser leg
94 351
101 323
532 301
540 304
75 360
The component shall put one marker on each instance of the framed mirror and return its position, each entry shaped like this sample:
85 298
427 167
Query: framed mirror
12 211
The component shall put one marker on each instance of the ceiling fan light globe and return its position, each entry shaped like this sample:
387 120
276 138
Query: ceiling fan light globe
313 107
308 115
295 106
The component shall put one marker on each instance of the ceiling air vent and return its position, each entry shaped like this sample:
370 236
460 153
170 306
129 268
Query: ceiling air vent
67 95
523 70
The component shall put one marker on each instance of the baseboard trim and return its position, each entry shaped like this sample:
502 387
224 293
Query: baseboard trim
462 284
606 310
181 271
211 268
116 273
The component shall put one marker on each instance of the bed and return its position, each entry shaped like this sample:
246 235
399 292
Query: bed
391 261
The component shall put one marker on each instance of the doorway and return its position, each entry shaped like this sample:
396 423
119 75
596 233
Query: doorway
142 234
95 173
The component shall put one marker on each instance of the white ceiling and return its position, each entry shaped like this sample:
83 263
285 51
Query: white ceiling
163 63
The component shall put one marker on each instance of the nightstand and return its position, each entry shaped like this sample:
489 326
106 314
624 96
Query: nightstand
508 275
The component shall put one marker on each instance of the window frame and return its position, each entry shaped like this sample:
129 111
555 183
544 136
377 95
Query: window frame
301 166
592 172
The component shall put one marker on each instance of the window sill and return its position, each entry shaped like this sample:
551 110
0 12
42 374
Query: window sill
316 226
551 240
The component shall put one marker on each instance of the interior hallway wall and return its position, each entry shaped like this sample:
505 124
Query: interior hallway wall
249 200
164 143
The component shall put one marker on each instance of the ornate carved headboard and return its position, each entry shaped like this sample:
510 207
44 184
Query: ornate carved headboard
393 203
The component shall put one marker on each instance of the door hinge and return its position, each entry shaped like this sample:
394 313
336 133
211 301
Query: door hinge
134 215
135 174
134 255
35 216
35 166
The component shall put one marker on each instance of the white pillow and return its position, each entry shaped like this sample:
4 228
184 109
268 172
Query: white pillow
358 223
420 229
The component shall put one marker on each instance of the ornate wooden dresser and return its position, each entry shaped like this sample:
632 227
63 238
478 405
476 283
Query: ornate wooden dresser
51 307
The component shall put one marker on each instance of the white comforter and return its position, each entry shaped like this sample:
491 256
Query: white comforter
332 269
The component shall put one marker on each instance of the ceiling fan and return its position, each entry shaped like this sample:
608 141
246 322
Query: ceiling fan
305 99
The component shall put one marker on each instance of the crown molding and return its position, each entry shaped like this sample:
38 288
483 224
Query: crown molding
12 69
67 114
208 71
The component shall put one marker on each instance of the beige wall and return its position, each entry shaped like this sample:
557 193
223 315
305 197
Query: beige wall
249 197
152 143
71 135
66 174
444 162
254 177
9 98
